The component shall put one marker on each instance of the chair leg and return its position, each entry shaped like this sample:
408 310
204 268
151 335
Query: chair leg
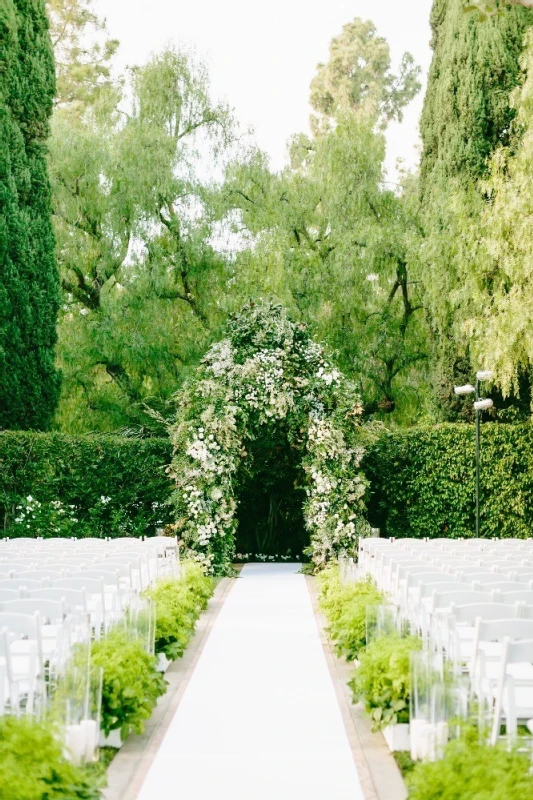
511 722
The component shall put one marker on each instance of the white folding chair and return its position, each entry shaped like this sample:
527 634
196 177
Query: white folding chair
52 614
12 568
416 582
487 581
74 600
26 653
526 612
515 569
524 578
102 614
72 564
18 582
419 607
513 694
51 611
117 581
9 594
468 575
517 595
440 605
442 602
502 588
462 627
48 573
9 699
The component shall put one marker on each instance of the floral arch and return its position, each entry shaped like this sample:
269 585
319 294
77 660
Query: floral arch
267 369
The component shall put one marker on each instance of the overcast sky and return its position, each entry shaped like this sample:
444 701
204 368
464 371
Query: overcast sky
262 56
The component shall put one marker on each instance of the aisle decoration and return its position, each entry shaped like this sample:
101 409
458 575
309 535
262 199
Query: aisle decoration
268 369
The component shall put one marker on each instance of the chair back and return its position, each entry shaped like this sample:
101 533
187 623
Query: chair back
459 598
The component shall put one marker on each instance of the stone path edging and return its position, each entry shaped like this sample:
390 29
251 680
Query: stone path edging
128 769
379 774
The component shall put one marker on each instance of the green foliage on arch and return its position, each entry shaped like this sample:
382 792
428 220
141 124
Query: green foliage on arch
267 369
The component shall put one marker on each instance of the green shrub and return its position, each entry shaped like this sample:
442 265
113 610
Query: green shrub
422 481
178 606
131 683
33 767
199 585
116 486
382 680
345 606
473 771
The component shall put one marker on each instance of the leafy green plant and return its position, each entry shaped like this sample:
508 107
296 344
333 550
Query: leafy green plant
198 584
178 605
382 679
131 683
405 763
345 606
33 766
471 770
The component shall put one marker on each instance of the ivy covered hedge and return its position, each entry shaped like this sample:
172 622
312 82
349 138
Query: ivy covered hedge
422 481
117 486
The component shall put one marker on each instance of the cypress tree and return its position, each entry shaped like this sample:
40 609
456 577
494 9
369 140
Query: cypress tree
29 282
475 67
466 116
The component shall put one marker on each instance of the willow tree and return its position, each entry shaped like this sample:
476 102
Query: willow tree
29 297
466 117
140 278
83 53
501 323
328 239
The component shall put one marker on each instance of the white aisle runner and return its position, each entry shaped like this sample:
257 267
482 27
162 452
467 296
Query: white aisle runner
259 719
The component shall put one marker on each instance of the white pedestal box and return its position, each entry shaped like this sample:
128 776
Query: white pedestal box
163 663
397 736
113 740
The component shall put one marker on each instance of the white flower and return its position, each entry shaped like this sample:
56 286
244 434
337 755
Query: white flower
328 377
198 451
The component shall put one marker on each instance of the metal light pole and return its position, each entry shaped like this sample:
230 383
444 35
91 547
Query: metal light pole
480 404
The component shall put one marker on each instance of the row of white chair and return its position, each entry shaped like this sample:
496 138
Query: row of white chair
473 602
56 593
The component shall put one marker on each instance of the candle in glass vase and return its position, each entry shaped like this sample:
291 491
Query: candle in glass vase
75 742
91 738
440 738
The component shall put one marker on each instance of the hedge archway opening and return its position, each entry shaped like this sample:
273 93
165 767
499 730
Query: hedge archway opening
263 400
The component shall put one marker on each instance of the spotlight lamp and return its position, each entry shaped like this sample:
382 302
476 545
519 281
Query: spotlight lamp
466 389
482 405
485 375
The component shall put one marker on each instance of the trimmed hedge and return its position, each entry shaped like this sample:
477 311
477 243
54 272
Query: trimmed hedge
80 471
423 481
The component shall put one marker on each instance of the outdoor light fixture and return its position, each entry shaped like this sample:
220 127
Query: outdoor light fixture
480 404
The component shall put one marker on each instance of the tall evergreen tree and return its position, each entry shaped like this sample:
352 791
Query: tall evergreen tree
466 112
467 115
29 291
